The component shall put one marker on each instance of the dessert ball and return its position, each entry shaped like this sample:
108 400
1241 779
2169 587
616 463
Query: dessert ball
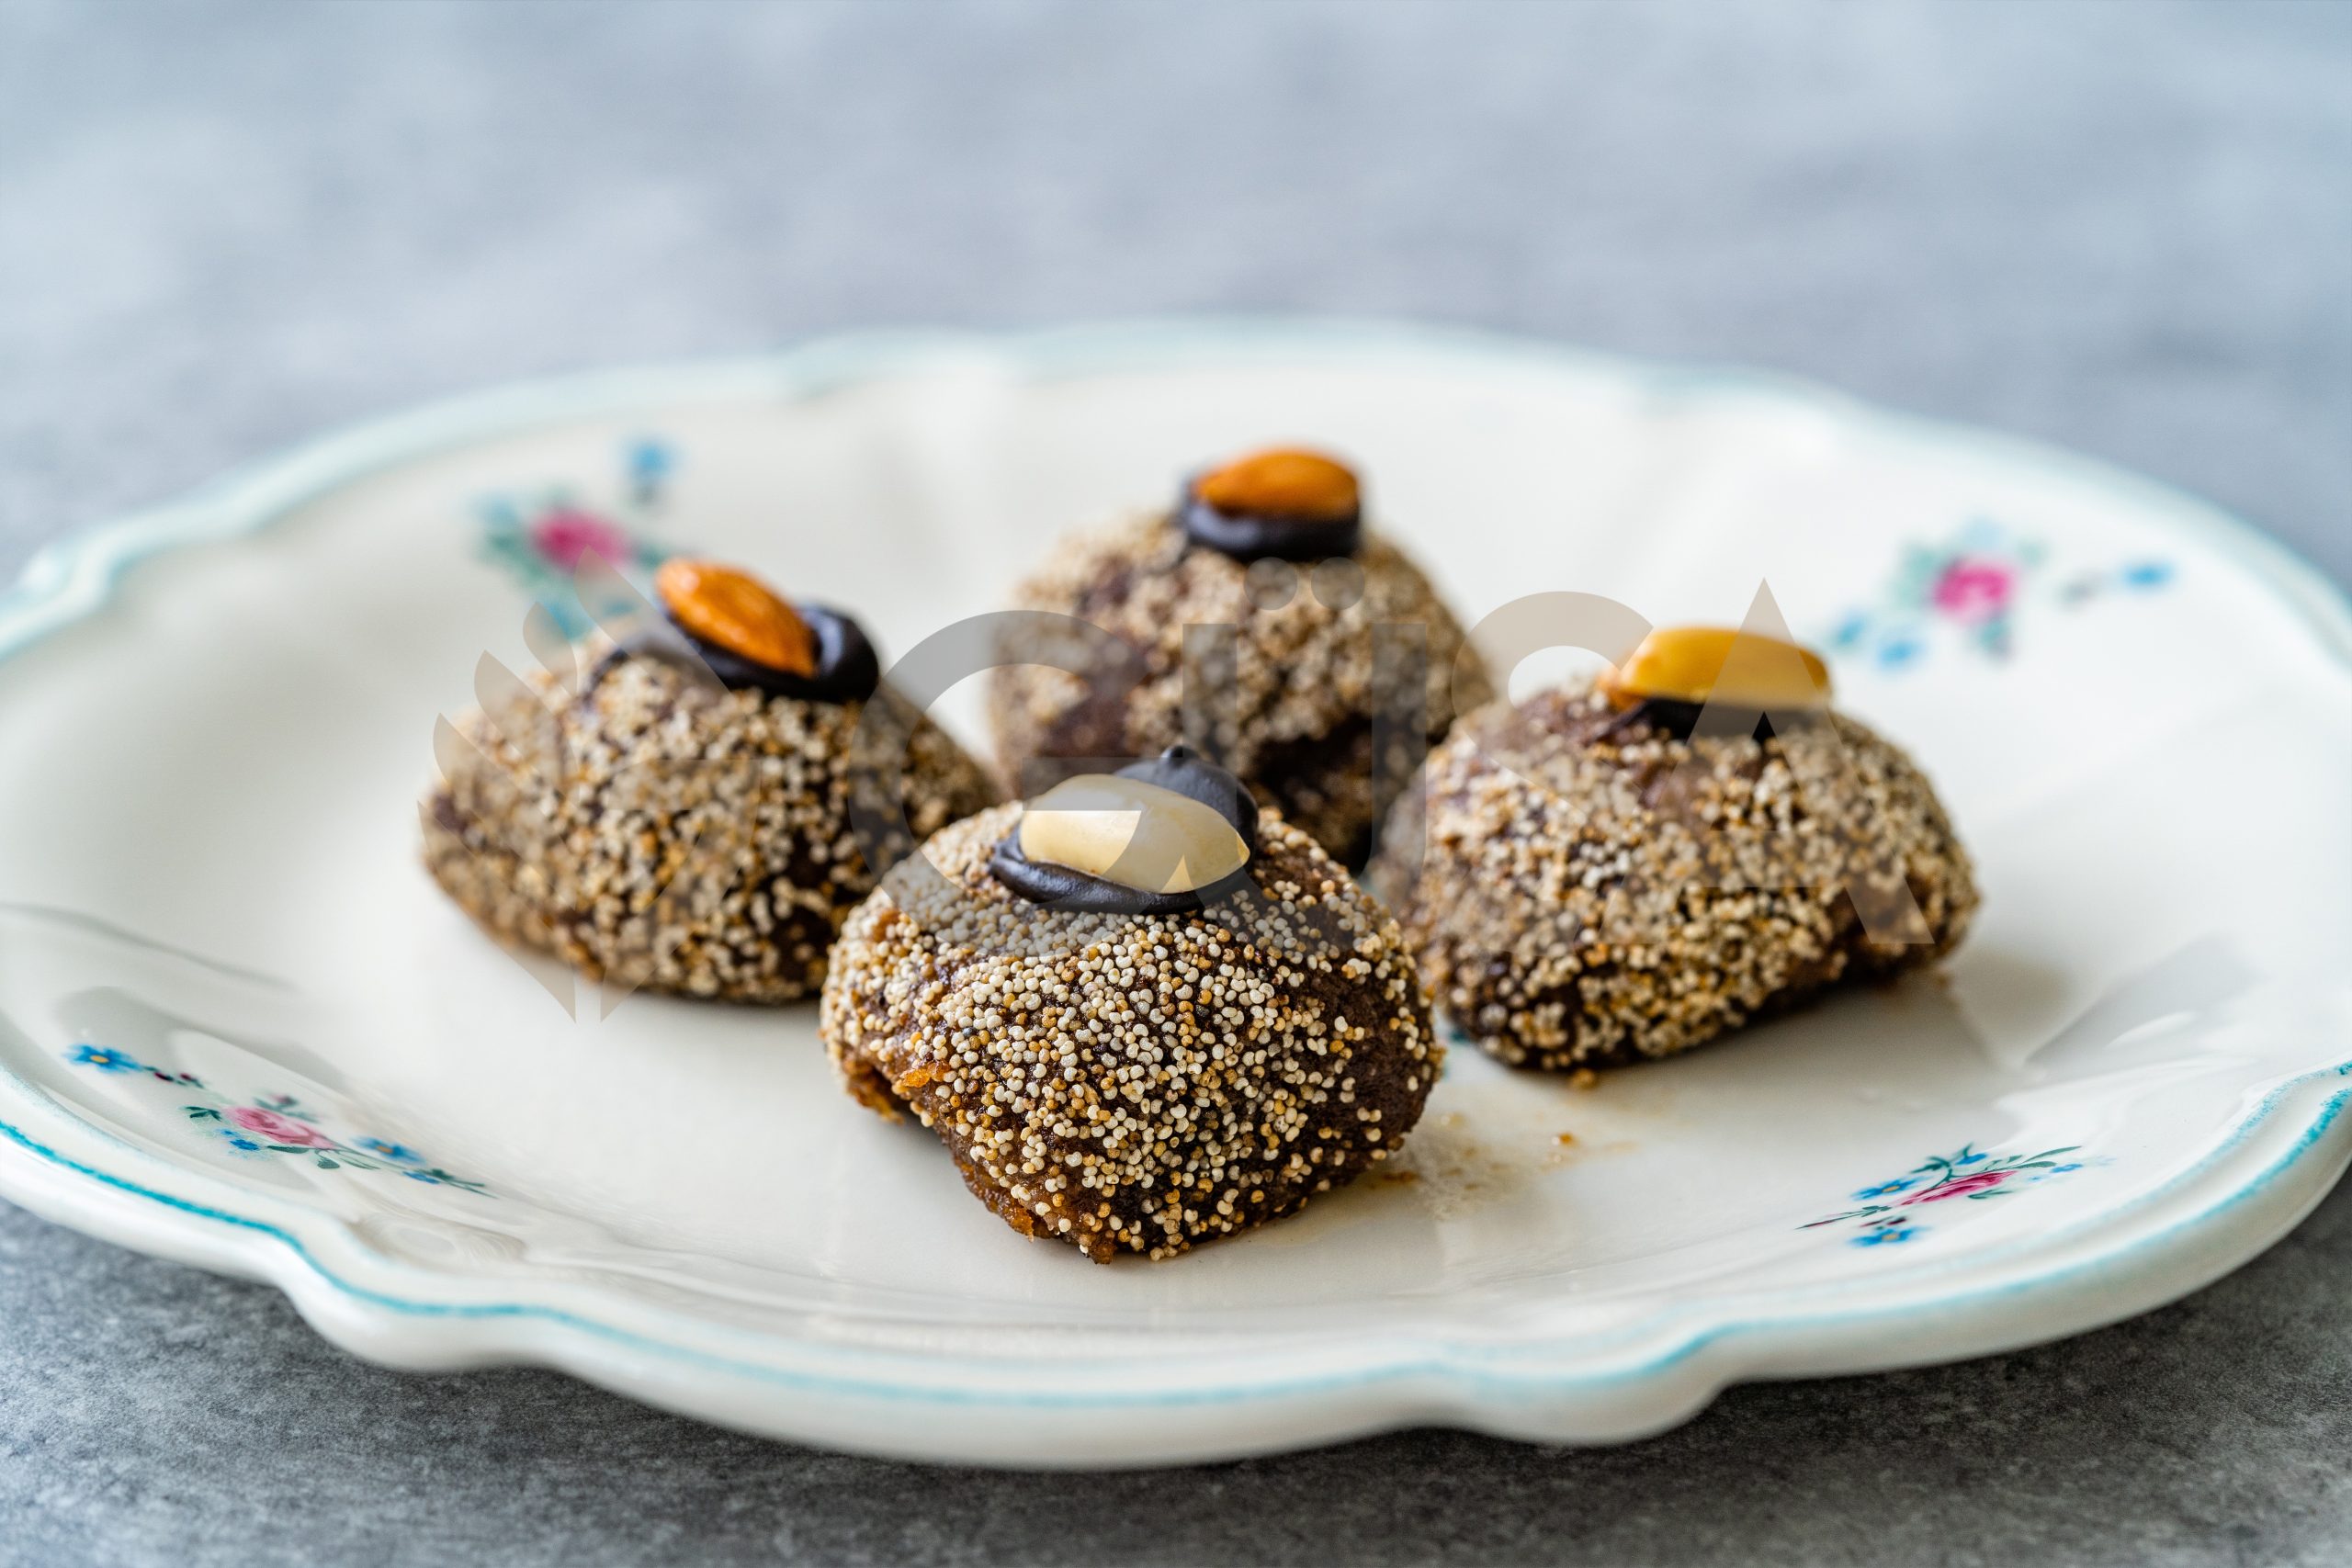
681 822
1140 1012
1274 546
1626 869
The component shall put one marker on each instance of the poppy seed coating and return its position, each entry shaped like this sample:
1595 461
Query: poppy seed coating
1596 890
1134 1083
669 835
1300 731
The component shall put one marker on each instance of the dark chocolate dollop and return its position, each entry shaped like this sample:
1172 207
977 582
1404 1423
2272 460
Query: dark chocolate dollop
1247 537
1676 718
848 670
1179 769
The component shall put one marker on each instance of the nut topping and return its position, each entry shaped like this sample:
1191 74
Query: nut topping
733 611
1694 664
1282 482
1134 834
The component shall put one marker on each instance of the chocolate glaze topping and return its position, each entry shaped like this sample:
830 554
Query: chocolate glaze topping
1180 769
848 670
1249 538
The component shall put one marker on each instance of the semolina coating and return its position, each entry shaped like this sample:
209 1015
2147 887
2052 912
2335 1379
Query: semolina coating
671 836
1301 734
1135 1083
1593 890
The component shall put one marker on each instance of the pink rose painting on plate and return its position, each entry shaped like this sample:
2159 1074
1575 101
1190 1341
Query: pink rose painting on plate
1974 588
276 1128
1970 1174
540 537
272 1123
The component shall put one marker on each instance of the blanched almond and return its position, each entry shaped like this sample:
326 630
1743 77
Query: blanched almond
1135 834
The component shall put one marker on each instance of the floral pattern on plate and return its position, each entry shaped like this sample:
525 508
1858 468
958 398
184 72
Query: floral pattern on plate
539 537
277 1125
1970 1174
1973 588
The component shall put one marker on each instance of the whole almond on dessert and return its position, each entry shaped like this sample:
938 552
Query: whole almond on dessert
731 609
1135 834
1692 664
1282 482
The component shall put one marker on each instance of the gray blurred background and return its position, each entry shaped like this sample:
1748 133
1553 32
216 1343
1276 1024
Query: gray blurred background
2122 228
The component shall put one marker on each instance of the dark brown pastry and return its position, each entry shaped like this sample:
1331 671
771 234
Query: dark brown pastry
682 824
1606 878
1273 545
1135 1081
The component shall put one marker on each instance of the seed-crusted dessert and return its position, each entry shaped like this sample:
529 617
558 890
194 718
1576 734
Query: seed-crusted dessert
1273 545
1140 1012
682 821
1625 869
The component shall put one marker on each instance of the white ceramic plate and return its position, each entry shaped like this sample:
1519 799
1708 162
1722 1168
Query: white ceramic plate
239 1027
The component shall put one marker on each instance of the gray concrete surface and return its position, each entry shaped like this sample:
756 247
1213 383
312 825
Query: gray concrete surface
2126 228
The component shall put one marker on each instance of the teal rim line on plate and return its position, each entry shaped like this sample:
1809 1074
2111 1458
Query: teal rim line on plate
1451 1362
75 577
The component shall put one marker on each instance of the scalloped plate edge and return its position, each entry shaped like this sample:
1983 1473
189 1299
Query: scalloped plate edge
1408 1381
